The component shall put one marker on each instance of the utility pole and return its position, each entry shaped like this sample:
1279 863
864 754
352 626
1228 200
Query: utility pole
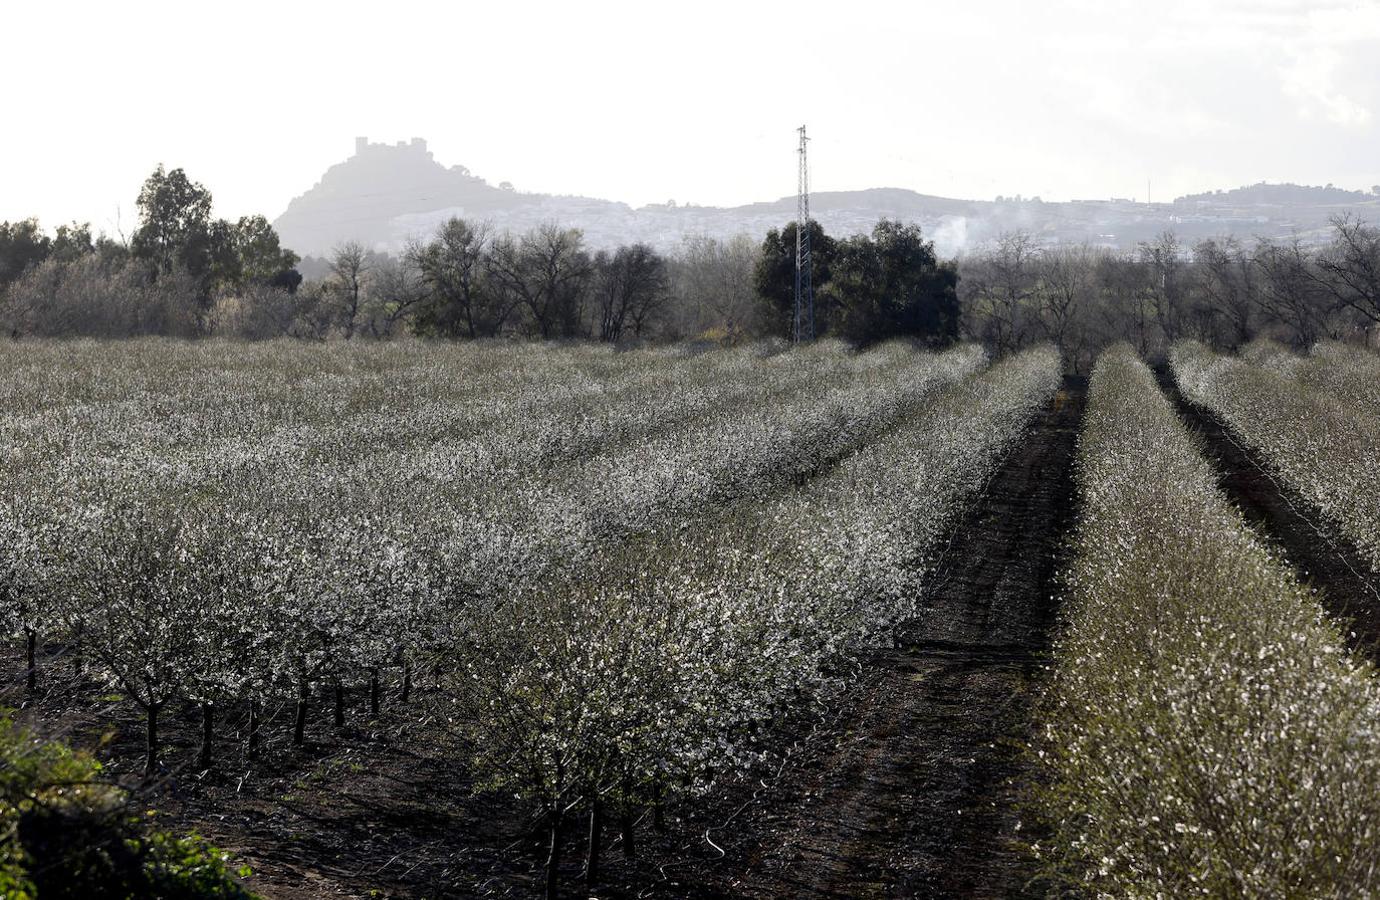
804 324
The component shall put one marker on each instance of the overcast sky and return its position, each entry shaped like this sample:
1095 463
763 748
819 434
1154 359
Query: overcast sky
697 102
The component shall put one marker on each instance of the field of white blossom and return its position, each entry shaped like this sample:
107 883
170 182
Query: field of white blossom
619 566
1315 420
618 572
1207 733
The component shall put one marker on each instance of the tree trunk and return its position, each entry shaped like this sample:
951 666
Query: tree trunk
31 654
354 312
625 822
407 680
78 661
207 736
299 727
596 827
553 858
151 757
253 750
339 704
374 692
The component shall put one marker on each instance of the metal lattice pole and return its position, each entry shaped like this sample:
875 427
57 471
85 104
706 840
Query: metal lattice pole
804 322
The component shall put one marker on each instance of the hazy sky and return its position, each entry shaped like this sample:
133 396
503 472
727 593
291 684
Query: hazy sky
644 102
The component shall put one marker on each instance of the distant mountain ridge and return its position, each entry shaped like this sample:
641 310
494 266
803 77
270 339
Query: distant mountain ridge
386 194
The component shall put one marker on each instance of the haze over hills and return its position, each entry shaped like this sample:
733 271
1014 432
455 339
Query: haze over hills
386 194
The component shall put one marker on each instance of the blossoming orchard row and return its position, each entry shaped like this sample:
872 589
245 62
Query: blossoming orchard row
627 563
1207 734
227 524
1350 374
670 657
1309 426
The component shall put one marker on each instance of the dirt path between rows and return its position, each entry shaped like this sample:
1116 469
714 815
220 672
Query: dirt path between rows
909 791
1349 590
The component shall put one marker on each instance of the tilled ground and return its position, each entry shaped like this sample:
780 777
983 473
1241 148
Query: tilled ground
905 784
380 808
911 789
1350 591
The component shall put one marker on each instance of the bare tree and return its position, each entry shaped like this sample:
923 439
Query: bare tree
998 284
1222 293
1126 307
546 271
396 290
1228 281
1291 291
349 264
1349 268
713 286
630 285
1164 264
1066 288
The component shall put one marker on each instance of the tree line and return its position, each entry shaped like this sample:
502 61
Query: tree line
1221 291
186 273
165 279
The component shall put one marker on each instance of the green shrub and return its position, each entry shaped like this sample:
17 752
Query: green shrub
65 834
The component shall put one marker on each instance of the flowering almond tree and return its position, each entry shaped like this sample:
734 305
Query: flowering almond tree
26 599
134 578
1324 447
1207 734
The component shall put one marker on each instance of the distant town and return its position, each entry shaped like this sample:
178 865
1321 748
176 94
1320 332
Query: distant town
386 194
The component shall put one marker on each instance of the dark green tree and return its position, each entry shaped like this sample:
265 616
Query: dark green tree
774 277
72 242
67 833
22 244
221 256
892 284
176 231
175 224
260 257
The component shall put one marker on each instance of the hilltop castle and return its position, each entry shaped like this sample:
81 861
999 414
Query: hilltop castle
387 194
416 145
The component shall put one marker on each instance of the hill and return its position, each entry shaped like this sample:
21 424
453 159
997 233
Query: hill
387 194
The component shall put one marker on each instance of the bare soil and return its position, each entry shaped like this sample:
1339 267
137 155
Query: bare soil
905 782
912 787
381 808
